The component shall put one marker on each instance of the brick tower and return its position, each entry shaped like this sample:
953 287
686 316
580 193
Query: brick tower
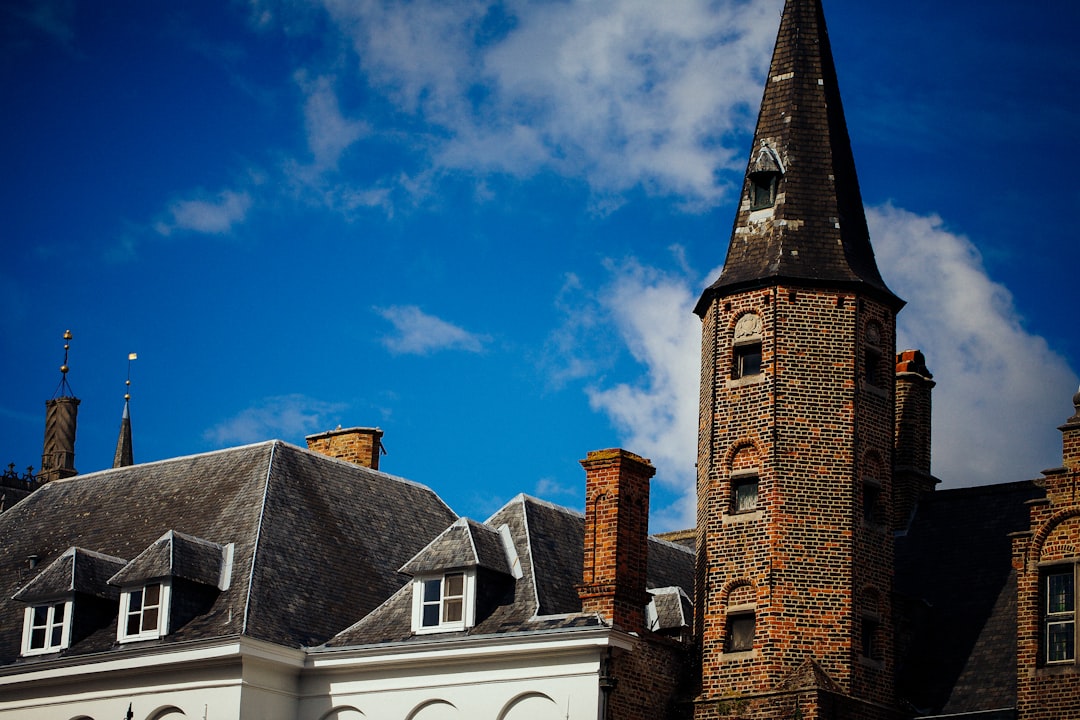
796 426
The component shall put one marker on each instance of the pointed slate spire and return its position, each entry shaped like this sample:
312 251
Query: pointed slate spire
801 217
124 455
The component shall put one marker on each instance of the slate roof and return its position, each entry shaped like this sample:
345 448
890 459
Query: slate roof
549 543
817 233
76 571
176 555
317 542
465 544
954 576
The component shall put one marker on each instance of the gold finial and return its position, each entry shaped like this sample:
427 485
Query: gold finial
63 387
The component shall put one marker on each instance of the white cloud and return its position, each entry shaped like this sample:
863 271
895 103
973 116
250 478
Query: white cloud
418 333
286 417
329 133
215 216
648 312
1001 390
621 94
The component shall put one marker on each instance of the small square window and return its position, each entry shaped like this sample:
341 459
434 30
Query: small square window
46 628
872 367
746 360
740 632
744 494
763 189
871 505
871 628
441 602
144 612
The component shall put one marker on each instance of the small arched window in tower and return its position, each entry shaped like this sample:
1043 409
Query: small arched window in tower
872 365
764 177
746 353
740 620
870 638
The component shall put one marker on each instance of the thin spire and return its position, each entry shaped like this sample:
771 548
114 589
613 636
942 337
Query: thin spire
124 455
801 217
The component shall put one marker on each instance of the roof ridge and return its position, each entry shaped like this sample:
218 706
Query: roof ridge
258 539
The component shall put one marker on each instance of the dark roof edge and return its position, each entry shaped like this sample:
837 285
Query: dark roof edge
883 294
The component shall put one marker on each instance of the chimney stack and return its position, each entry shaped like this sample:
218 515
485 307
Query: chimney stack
911 461
613 580
1070 438
358 445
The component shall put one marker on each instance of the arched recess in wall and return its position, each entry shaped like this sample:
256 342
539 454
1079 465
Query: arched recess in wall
1045 537
166 711
82 717
343 712
434 710
531 706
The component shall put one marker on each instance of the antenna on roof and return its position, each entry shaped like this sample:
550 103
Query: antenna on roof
63 389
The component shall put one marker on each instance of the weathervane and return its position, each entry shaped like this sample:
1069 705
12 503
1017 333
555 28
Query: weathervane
63 386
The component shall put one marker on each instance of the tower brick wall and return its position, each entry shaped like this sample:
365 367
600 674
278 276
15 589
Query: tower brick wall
1048 688
358 445
616 537
816 427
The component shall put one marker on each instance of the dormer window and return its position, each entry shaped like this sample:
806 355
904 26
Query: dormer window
46 628
764 178
763 189
444 603
144 612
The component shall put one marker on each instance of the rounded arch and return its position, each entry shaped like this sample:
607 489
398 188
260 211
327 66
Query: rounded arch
165 711
532 705
872 599
1039 538
744 454
82 717
742 590
342 712
872 465
436 709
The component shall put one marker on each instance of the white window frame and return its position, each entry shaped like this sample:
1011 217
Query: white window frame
49 626
164 602
1064 618
468 602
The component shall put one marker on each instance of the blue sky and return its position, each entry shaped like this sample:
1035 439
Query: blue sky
483 226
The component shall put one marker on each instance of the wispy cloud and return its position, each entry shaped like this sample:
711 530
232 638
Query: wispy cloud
417 333
1001 390
288 417
211 216
619 94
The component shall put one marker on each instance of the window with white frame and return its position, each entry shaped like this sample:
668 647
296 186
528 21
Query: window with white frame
144 612
443 602
1059 614
46 628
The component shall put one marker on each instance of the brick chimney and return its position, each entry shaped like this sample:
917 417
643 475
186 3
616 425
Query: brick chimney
358 445
616 537
58 451
911 462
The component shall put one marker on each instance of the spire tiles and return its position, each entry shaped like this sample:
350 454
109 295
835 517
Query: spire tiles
801 217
